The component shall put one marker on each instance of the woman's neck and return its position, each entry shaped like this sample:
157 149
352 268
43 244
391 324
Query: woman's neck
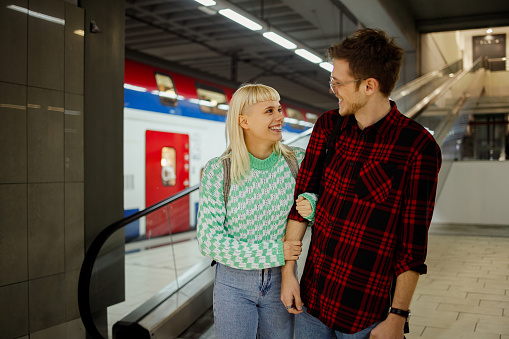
259 150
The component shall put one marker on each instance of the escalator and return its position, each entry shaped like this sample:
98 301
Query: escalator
168 286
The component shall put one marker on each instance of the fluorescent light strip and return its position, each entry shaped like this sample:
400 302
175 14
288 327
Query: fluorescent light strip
278 39
206 2
308 55
326 66
135 88
37 14
232 15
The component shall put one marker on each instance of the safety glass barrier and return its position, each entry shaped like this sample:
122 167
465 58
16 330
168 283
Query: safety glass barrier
408 95
445 115
120 274
300 140
481 129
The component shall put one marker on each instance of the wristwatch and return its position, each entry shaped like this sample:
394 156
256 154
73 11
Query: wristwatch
402 313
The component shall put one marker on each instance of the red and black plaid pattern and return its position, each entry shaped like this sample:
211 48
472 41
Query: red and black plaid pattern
372 218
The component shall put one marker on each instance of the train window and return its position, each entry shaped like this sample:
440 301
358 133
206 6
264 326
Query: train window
295 118
311 117
168 166
212 99
166 88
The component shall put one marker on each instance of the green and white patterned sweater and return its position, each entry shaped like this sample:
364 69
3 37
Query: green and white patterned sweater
248 233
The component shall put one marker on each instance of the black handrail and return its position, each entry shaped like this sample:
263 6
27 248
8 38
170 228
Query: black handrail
93 252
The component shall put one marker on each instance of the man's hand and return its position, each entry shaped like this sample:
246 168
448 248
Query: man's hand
292 249
290 293
390 328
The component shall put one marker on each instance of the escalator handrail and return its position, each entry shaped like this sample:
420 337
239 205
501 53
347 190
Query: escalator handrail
401 91
414 112
96 246
93 252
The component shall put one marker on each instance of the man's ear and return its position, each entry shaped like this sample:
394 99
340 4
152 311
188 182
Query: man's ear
243 122
371 85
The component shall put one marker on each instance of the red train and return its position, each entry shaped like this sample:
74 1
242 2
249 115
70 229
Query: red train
173 124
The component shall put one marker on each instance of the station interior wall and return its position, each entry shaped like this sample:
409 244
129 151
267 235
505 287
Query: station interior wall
53 139
42 176
475 193
441 48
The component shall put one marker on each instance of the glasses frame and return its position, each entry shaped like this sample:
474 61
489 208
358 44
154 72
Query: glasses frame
332 85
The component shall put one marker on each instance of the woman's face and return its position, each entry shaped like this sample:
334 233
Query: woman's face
263 121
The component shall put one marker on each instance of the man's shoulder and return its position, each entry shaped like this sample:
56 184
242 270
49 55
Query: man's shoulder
329 115
326 120
416 134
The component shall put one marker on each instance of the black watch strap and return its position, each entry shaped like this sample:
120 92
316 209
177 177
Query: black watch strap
402 313
397 311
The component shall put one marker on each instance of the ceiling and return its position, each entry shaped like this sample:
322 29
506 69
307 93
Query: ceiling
181 34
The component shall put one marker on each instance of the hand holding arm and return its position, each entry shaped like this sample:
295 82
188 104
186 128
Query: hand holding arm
290 289
292 249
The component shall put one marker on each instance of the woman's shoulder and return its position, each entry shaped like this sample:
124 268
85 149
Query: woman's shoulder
299 152
213 170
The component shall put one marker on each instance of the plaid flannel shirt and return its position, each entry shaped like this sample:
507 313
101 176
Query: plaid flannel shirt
372 218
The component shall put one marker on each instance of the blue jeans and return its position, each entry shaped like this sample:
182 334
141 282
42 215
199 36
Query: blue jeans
307 326
247 304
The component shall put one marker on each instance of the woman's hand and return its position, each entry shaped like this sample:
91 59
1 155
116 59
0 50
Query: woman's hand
292 249
303 206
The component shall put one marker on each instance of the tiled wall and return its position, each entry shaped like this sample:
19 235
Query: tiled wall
41 168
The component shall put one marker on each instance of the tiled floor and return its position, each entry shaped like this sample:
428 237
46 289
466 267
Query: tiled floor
465 294
466 291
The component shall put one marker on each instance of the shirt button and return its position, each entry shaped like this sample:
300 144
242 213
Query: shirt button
322 252
331 224
341 195
362 136
351 164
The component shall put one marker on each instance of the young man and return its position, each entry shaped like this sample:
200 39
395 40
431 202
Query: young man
376 173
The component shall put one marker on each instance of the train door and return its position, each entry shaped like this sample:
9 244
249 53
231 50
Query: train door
166 173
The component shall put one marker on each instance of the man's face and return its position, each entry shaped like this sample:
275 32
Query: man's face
351 98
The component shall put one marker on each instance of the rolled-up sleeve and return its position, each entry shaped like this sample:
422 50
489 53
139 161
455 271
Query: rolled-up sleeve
418 205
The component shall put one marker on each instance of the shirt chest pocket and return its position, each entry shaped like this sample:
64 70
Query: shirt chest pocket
375 181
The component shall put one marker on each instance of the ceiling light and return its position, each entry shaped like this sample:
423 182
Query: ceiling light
37 14
308 55
326 66
278 39
232 15
206 2
489 31
207 10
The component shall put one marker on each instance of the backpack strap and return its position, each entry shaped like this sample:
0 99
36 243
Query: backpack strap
227 163
329 151
292 161
332 137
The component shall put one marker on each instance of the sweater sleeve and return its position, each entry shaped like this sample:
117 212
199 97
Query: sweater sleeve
215 242
312 198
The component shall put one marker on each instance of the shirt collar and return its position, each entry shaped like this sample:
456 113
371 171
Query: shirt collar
382 126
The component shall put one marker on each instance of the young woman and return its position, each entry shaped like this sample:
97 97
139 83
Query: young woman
244 235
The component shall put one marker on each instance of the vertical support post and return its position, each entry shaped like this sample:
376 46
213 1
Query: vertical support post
234 67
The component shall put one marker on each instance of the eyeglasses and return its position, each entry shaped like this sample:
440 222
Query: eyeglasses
332 85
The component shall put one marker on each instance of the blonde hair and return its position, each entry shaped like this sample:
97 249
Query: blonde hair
243 98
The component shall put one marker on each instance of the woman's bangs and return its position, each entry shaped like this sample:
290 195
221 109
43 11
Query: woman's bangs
261 94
